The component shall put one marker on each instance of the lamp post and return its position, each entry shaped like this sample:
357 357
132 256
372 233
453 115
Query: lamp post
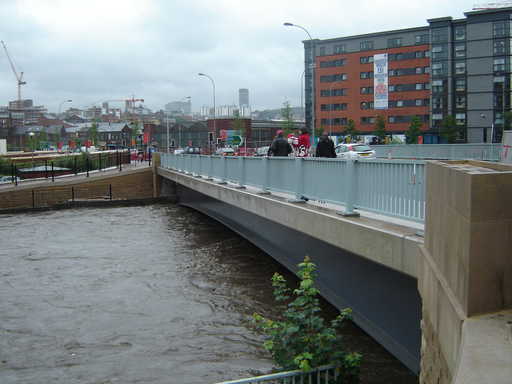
65 101
214 108
302 94
167 121
32 134
312 67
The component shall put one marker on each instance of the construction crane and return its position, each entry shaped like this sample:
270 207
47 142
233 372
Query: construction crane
18 77
128 103
497 4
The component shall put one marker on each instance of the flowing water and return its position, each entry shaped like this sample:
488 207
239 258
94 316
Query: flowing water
153 294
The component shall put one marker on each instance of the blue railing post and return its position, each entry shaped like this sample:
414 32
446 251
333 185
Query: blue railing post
199 166
351 189
209 172
266 177
241 172
224 171
299 181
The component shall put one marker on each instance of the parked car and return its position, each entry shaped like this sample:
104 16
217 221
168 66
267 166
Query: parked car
262 151
225 151
179 151
354 151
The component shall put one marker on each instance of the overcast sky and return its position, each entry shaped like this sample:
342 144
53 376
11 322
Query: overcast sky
95 50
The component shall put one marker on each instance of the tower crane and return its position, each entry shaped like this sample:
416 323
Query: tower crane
19 77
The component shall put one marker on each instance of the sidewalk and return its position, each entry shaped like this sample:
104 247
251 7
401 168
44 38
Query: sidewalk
30 183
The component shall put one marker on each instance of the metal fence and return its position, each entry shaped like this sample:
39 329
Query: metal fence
389 187
321 375
486 152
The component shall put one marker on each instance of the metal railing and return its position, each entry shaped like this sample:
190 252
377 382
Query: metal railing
321 375
486 152
389 187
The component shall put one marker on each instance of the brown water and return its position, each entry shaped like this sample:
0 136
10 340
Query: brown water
155 294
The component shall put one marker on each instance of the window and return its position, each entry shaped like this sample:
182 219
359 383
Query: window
333 78
437 103
422 39
437 48
395 42
437 86
366 45
333 92
339 49
366 75
426 69
499 64
437 69
460 102
460 68
366 90
460 32
419 70
460 85
499 47
367 105
419 102
324 107
391 88
439 34
437 116
419 54
366 59
367 120
499 29
460 118
332 63
460 50
322 51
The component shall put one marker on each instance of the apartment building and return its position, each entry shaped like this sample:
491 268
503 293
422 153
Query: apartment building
450 67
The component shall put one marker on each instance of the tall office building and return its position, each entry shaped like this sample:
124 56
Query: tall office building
450 67
243 97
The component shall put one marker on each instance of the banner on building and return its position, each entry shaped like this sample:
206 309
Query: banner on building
380 81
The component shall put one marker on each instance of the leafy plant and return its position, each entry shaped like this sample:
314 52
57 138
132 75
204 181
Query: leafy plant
287 115
380 128
449 129
414 131
302 340
350 131
93 133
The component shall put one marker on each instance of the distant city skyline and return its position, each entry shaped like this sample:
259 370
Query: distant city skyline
92 51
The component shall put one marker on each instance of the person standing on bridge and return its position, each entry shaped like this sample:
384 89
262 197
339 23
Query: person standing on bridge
280 146
325 147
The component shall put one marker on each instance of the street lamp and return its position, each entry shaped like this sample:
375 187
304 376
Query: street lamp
65 101
32 134
312 67
214 108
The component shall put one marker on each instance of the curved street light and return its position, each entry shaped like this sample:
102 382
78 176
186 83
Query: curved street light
312 67
65 101
214 107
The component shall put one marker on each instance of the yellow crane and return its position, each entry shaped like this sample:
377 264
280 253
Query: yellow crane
19 77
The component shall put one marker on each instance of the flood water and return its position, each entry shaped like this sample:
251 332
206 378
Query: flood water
153 294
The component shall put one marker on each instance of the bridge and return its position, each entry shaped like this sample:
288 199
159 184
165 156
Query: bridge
362 222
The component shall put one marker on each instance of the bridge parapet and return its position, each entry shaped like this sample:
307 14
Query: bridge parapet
465 273
389 187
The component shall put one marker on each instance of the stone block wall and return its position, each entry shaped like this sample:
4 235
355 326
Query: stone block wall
125 185
466 264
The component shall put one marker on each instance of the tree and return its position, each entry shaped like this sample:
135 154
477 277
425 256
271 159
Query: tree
287 115
302 340
449 129
380 128
93 133
414 131
350 131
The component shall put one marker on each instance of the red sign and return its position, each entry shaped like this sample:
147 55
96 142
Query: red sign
146 137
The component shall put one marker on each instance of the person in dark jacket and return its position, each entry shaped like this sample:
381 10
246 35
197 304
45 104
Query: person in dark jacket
325 147
280 146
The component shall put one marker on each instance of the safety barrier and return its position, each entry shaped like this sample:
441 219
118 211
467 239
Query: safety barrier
388 187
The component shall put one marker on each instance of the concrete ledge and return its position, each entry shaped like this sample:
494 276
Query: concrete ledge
486 350
392 245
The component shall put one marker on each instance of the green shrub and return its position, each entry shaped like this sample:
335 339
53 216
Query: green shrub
302 340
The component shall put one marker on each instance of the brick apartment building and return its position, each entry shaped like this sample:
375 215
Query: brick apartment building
449 67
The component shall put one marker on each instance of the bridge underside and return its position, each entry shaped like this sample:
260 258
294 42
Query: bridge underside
385 302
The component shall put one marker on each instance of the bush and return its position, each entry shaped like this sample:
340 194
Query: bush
301 340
